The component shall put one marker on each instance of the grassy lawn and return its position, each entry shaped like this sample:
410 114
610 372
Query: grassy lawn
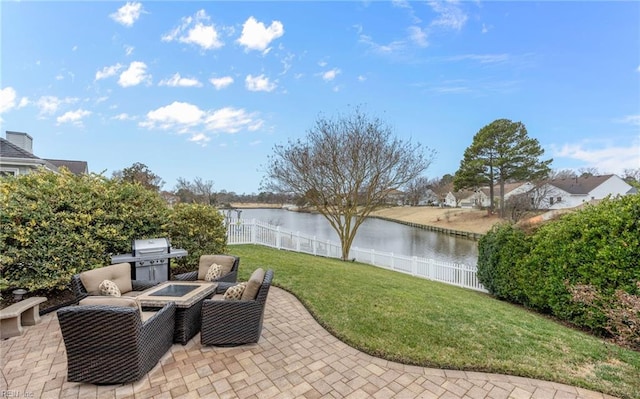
417 321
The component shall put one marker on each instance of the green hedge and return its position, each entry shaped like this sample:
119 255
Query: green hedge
200 230
53 226
598 246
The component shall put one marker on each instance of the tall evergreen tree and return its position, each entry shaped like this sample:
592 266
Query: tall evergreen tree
500 152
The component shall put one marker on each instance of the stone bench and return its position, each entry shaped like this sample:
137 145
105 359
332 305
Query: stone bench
23 313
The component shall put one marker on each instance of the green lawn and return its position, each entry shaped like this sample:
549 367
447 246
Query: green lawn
417 321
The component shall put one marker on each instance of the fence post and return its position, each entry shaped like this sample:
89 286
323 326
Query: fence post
314 245
393 262
254 230
278 238
414 265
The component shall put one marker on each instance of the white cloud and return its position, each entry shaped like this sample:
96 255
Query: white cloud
481 58
24 101
127 14
134 75
128 50
607 158
221 83
49 105
231 120
74 117
7 99
630 119
361 78
255 36
178 81
108 71
193 30
396 46
330 75
200 138
259 83
123 117
450 14
188 118
176 115
418 36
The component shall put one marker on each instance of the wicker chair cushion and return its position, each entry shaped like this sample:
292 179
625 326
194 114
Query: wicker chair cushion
253 285
225 261
215 271
234 293
109 288
110 301
119 273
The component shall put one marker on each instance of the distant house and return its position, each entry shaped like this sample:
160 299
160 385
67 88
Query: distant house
574 191
17 158
429 198
463 198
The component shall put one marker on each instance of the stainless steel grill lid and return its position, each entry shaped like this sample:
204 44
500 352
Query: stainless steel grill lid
150 246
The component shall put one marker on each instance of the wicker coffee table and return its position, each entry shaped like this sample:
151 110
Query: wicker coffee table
188 297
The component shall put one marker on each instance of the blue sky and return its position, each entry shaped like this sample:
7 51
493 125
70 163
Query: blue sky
206 89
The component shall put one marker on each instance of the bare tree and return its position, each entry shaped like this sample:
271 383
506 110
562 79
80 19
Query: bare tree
345 167
417 189
562 174
588 172
632 177
198 191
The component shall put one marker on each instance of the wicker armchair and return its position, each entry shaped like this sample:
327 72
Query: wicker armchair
111 344
230 323
205 261
120 273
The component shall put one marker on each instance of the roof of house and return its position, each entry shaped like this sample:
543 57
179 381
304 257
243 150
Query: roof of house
75 167
579 185
10 150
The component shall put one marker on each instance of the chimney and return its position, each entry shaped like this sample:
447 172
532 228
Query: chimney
22 140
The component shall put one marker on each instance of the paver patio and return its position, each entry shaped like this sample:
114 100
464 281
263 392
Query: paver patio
295 358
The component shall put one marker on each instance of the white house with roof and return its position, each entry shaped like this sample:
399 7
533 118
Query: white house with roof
571 192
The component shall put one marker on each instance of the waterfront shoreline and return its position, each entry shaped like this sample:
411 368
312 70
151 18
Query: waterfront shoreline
470 223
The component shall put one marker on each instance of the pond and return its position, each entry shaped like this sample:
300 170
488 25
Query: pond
377 234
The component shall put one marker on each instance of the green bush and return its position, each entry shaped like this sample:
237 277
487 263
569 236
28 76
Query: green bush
498 253
598 247
53 226
200 230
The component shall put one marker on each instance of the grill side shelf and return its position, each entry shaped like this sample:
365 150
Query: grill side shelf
126 258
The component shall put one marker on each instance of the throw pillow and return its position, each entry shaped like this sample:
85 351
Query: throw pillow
109 288
253 285
234 293
214 272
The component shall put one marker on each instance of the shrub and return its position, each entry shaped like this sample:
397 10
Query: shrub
498 254
548 269
597 246
200 230
53 226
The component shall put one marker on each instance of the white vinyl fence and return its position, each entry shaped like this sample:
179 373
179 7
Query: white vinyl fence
252 231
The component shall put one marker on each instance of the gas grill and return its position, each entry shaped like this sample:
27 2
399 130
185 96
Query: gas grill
150 258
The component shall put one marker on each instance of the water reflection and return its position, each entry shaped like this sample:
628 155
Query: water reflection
377 234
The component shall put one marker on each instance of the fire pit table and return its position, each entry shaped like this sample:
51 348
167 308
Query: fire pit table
188 297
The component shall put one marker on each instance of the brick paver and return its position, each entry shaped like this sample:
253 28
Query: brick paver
295 358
